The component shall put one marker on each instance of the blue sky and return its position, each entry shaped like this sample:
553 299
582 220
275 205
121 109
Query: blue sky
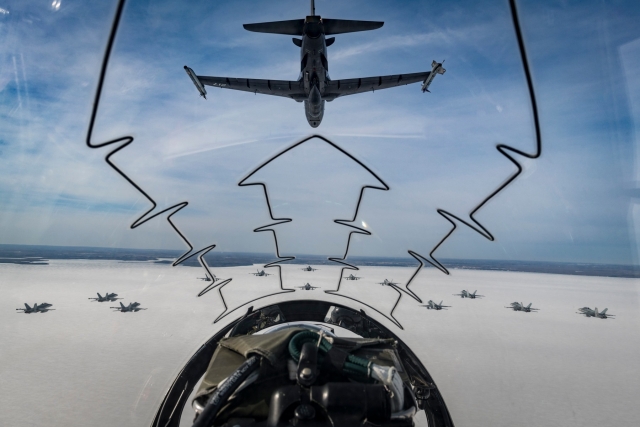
434 150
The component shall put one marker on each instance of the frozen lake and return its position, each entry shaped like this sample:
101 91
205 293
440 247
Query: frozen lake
84 364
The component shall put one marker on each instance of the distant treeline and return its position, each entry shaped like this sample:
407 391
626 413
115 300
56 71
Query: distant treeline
39 255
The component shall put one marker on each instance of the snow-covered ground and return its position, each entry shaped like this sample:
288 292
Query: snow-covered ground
84 364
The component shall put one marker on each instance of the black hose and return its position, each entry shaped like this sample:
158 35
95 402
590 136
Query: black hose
220 395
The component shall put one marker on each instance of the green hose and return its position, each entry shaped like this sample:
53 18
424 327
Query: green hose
354 365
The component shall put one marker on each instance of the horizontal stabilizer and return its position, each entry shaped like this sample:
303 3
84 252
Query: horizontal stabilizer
341 26
293 27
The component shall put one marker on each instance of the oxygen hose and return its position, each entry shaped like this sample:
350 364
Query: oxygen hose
354 365
220 396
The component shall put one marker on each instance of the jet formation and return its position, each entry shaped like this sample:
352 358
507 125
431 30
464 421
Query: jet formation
314 86
37 308
518 306
588 312
111 297
467 294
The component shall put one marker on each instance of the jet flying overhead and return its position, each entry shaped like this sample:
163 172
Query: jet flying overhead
313 86
37 308
518 306
307 287
111 297
132 307
435 306
352 277
261 273
467 294
309 268
387 282
588 312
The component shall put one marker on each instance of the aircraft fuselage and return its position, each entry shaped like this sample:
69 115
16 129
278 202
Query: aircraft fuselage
314 68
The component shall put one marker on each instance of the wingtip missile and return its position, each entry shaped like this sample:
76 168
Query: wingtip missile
436 68
196 82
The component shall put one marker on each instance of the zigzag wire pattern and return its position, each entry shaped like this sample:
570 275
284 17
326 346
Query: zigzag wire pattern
504 150
126 140
479 228
122 143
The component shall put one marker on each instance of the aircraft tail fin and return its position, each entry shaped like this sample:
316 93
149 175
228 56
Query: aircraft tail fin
293 27
27 306
122 305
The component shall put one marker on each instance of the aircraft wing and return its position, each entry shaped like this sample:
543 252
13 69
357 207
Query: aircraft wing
287 88
337 88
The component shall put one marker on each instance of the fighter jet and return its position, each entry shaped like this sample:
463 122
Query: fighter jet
261 273
133 306
209 279
309 268
588 312
352 277
313 86
37 308
518 306
307 287
466 294
386 282
434 306
108 297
